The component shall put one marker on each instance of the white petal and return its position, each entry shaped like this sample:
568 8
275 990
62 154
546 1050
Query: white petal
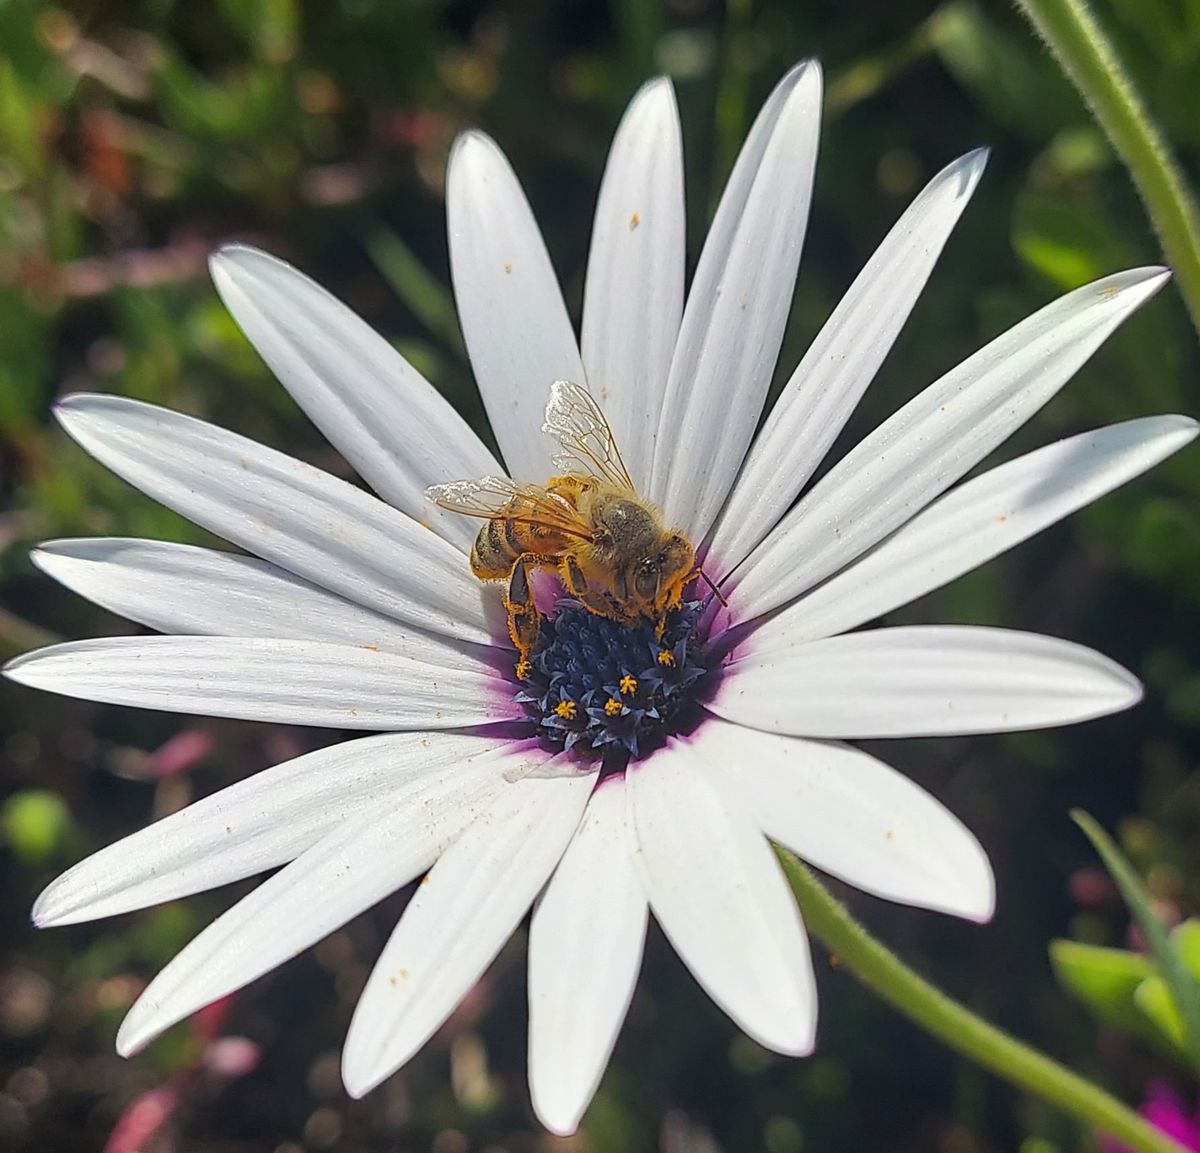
633 297
853 816
462 914
381 414
585 949
933 440
840 363
176 588
737 309
348 871
298 517
977 521
263 679
514 321
253 825
924 681
720 895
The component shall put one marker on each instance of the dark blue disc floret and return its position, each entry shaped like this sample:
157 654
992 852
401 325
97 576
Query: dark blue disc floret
596 686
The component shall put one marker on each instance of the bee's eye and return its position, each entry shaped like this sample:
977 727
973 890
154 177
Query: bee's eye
645 580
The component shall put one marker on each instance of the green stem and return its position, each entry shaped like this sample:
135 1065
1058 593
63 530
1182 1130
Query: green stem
1085 54
881 971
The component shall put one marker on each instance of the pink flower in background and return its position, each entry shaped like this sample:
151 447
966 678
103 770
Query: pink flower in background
1165 1110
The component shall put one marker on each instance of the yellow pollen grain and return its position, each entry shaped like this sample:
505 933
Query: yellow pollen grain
627 685
612 706
666 657
524 668
566 710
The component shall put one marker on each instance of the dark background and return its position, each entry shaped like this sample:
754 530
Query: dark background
136 136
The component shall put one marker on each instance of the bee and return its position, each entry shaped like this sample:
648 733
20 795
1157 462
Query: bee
607 544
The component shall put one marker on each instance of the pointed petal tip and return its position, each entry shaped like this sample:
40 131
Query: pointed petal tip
810 75
962 175
805 73
655 87
983 913
54 557
555 1116
972 165
468 141
237 249
976 901
357 1077
232 262
65 405
1151 276
1185 427
22 669
39 916
126 1044
71 411
139 1029
810 65
55 908
12 667
798 1041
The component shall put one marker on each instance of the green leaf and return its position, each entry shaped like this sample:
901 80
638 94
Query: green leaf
1154 1000
1105 980
1153 997
1168 959
1064 240
1019 88
416 286
1186 939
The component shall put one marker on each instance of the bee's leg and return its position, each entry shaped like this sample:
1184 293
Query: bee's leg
524 622
594 600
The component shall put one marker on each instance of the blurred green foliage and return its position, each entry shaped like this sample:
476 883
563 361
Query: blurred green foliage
137 136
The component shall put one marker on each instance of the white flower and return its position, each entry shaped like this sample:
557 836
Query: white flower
357 616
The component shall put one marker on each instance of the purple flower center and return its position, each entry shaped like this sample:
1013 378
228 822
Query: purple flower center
598 686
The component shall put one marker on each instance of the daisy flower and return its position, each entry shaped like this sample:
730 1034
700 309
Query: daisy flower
691 749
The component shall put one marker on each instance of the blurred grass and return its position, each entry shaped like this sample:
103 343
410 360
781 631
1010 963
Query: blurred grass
137 136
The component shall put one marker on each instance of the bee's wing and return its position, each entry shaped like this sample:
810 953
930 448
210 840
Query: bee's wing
574 419
492 497
489 496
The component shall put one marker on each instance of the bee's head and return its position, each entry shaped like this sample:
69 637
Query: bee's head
659 577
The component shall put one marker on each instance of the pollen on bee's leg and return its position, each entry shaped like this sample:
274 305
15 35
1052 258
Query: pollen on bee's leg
566 709
524 668
628 685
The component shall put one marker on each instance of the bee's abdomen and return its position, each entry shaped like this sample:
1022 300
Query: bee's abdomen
498 544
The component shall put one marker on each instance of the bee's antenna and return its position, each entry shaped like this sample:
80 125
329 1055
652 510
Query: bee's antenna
716 591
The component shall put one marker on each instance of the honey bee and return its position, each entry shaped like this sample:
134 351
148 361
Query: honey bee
607 544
